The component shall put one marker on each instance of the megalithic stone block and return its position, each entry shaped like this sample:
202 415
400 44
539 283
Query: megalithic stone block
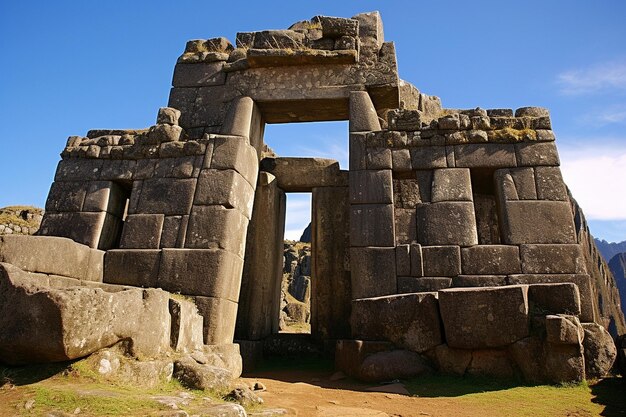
537 222
304 174
563 298
174 231
238 121
167 196
423 284
490 260
373 272
85 228
441 261
67 196
451 184
217 227
552 259
234 152
358 152
481 318
206 272
371 187
225 187
550 185
219 319
142 231
406 228
447 223
372 225
136 267
106 196
403 260
363 117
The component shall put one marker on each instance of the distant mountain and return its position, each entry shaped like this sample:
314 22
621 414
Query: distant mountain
306 235
610 249
617 265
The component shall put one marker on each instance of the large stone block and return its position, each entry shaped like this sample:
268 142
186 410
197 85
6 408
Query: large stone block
479 280
106 196
225 187
478 318
174 231
485 155
372 225
417 263
537 154
42 324
441 261
79 169
422 284
87 228
357 152
581 280
371 187
373 272
233 152
66 196
304 174
206 272
142 231
166 196
363 117
181 167
447 223
550 185
119 169
350 354
406 193
428 157
561 298
537 222
217 227
403 260
219 319
552 259
515 184
136 267
451 184
600 350
563 329
410 321
405 226
490 260
197 75
186 332
51 255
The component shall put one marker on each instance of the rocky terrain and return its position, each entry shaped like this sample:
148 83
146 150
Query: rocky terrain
21 220
295 314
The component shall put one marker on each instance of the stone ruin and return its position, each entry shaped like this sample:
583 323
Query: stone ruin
449 244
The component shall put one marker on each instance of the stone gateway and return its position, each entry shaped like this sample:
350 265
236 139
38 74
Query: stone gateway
449 244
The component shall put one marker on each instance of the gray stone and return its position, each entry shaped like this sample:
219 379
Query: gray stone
197 75
491 363
278 39
490 260
219 319
417 264
452 361
563 329
181 167
406 227
217 227
174 231
114 366
106 196
79 170
600 350
532 112
136 267
304 174
164 133
487 317
358 152
561 298
551 221
334 27
428 157
403 260
550 185
225 410
401 160
537 154
186 331
372 225
485 155
206 272
166 196
142 231
552 259
452 184
66 196
48 325
373 272
225 187
447 223
406 193
363 117
441 261
87 228
422 284
350 354
371 187
232 152
194 375
225 356
168 115
394 364
479 280
410 321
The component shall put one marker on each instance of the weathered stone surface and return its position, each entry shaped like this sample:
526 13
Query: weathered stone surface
371 187
537 154
350 354
96 230
491 363
452 361
174 231
357 152
363 117
304 174
581 280
490 260
403 260
447 223
225 356
166 196
417 263
186 331
452 184
405 226
136 267
484 155
198 74
52 255
394 364
422 284
551 221
194 375
600 351
231 152
373 272
428 157
206 272
217 227
441 261
552 259
105 196
181 167
372 225
142 231
479 318
563 298
48 325
66 196
410 321
168 115
219 319
479 280
114 366
563 329
550 185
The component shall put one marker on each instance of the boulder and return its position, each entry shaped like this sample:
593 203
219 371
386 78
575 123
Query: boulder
195 375
451 361
394 364
225 356
40 324
600 350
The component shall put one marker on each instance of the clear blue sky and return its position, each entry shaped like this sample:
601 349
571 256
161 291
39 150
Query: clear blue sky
69 66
